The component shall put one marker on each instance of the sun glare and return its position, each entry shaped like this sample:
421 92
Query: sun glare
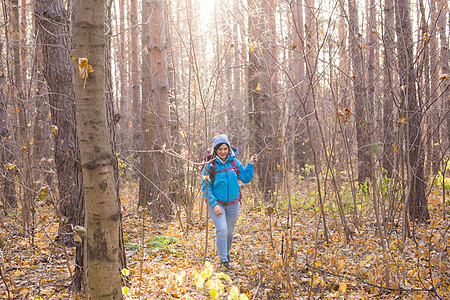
206 13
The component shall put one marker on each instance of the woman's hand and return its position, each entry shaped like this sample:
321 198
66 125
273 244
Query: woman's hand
253 159
217 210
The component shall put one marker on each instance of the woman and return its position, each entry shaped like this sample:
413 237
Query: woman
222 189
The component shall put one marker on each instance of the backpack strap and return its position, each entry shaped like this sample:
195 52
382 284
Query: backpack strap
235 167
213 170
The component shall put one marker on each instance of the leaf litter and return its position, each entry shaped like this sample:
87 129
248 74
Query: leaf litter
270 258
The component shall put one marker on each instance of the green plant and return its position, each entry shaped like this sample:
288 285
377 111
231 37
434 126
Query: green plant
442 183
131 246
162 243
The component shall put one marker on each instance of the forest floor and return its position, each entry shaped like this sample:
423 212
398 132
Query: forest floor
274 256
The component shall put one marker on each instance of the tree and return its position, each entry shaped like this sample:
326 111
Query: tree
301 148
102 206
388 88
262 106
51 21
155 162
445 69
8 180
359 94
22 134
417 200
135 82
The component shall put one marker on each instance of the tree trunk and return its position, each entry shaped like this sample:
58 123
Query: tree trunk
156 163
433 90
302 155
7 172
388 157
25 150
371 73
51 20
445 69
103 217
262 109
112 120
135 82
417 201
359 94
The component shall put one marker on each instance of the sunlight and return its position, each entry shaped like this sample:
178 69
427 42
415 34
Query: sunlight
206 13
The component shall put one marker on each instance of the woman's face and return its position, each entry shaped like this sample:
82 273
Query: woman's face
222 152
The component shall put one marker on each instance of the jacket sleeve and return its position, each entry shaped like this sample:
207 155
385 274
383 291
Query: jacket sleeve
245 174
206 186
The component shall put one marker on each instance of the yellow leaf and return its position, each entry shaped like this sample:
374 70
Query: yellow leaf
403 120
55 129
85 68
252 48
125 291
125 272
234 293
278 167
79 229
340 264
343 288
9 166
258 87
224 276
443 77
199 282
213 293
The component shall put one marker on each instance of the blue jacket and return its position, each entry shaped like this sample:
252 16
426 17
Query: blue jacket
226 187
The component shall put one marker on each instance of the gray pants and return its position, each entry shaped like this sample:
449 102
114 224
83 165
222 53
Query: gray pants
224 224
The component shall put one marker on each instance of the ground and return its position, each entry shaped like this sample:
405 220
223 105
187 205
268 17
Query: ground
276 254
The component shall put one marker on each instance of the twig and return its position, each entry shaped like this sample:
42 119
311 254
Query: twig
3 278
206 222
433 289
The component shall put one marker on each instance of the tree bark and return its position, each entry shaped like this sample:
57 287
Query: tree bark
112 120
51 20
102 216
262 109
6 158
135 82
445 69
388 157
154 185
302 153
360 96
417 200
25 151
